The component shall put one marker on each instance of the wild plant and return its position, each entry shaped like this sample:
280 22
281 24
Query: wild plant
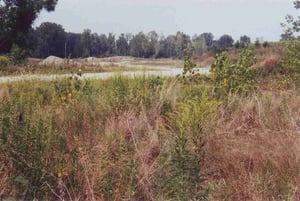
235 77
187 125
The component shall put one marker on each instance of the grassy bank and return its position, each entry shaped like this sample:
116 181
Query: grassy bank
148 138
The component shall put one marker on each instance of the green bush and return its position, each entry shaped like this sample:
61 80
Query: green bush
18 54
235 77
4 61
291 62
188 126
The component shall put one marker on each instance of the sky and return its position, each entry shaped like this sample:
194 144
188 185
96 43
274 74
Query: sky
255 18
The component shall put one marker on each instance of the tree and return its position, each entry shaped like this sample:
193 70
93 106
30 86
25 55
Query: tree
139 45
153 48
225 41
171 46
291 26
199 44
182 41
209 38
51 40
244 40
122 46
111 41
16 18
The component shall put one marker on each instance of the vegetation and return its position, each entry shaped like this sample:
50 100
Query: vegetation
231 135
51 39
152 138
16 18
239 77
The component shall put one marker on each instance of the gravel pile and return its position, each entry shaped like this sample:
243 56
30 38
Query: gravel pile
52 60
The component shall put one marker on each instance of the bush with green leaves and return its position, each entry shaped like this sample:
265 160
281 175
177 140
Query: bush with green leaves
291 62
18 54
235 77
189 126
4 61
188 63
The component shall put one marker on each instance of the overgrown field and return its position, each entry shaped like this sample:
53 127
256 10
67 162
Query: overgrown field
152 138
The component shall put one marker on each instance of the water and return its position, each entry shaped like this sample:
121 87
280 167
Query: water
163 71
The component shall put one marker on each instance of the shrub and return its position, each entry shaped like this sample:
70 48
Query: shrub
291 62
18 54
188 63
4 61
188 126
239 77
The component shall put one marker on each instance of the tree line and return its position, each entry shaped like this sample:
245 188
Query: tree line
17 36
51 39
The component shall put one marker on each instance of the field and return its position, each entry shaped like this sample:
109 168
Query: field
149 138
230 135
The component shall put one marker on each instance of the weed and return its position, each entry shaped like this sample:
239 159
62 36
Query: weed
239 77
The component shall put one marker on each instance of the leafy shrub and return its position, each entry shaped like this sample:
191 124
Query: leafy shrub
188 128
239 77
188 63
71 87
291 62
18 54
4 61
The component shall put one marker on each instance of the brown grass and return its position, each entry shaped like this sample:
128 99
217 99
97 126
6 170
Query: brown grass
255 152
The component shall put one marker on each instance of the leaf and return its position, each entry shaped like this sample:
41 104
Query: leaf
21 180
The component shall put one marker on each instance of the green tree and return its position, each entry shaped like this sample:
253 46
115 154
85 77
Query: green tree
122 46
139 45
245 40
16 18
291 26
209 38
111 41
51 40
182 41
225 42
199 45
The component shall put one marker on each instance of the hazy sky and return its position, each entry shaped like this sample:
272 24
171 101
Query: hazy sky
255 18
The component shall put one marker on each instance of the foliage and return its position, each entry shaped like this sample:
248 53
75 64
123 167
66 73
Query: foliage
187 126
68 89
17 19
290 66
18 54
224 42
188 63
239 77
50 40
4 61
145 138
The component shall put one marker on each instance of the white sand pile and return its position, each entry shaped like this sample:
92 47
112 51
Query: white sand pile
52 60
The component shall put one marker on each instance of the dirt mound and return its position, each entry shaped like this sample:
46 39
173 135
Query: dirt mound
52 60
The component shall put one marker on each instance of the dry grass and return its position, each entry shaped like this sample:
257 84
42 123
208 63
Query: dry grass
206 59
255 152
110 145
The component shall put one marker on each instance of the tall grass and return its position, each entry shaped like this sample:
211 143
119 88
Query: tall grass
146 138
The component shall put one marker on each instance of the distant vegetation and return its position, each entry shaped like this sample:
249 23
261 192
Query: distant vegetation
51 39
